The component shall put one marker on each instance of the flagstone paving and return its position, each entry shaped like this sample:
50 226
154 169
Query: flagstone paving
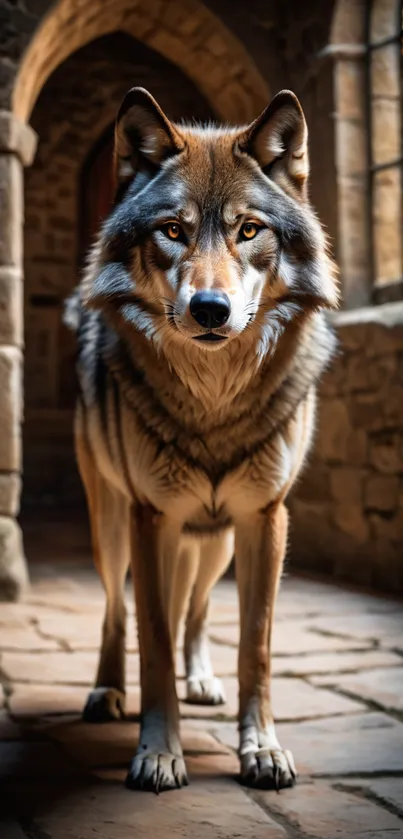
337 695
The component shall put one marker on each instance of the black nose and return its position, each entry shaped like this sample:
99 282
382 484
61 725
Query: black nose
210 308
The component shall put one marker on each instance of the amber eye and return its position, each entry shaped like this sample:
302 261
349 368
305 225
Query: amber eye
249 230
173 230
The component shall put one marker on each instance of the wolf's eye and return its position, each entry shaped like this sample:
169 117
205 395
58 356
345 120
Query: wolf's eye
173 230
248 230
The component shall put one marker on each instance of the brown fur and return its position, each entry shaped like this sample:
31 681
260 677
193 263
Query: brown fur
184 444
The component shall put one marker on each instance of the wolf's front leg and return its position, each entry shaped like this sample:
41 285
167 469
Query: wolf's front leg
259 551
158 764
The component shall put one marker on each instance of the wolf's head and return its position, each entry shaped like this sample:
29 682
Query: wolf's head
212 240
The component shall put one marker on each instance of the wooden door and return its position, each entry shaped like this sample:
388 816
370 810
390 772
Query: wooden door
97 191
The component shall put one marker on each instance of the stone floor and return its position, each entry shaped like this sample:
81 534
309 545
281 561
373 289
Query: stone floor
338 700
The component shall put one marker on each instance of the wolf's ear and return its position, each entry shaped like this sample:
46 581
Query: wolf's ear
278 140
143 134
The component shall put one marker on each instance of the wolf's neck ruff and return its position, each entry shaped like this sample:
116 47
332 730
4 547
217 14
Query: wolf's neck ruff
216 437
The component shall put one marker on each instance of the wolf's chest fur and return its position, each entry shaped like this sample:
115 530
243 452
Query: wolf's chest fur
156 441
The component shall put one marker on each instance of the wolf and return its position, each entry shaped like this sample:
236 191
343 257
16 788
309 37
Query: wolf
202 335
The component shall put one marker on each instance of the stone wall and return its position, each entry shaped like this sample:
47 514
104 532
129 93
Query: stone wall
17 147
347 512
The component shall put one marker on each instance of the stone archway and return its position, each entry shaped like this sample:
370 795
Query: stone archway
193 39
186 33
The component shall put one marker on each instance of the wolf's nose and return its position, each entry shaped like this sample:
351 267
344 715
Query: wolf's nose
210 308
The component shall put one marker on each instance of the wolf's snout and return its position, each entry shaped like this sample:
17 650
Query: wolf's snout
210 309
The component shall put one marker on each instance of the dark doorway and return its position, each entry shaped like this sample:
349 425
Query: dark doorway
97 191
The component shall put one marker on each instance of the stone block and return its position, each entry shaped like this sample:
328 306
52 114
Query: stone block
385 72
346 485
386 790
387 225
169 44
11 210
36 700
364 375
319 810
13 570
386 129
381 493
312 533
351 520
360 627
350 85
357 448
10 487
348 27
18 137
383 687
385 453
216 45
234 102
11 306
354 235
387 529
214 806
392 401
351 147
11 409
366 411
384 17
315 484
23 639
334 430
326 666
295 638
353 336
76 668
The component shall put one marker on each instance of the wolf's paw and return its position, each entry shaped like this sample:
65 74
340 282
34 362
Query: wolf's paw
157 772
104 705
268 768
205 691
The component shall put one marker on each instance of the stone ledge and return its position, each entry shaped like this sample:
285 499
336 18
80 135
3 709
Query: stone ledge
388 315
343 51
16 137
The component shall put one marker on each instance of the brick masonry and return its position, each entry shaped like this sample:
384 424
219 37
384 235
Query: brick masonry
347 511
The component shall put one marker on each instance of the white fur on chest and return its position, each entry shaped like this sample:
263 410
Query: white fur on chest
184 492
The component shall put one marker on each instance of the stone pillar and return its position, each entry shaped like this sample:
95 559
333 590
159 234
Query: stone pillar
352 173
385 76
17 148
